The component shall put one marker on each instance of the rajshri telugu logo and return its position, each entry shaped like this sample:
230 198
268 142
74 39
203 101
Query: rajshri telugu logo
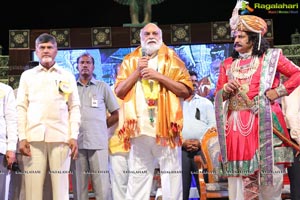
271 8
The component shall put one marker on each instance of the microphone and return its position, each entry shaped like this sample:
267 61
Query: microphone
144 52
143 55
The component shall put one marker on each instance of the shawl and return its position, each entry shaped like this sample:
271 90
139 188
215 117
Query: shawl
169 116
265 116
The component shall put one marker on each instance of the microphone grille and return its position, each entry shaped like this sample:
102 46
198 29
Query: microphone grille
144 52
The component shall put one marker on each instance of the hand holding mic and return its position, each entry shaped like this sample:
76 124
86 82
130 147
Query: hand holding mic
144 52
143 62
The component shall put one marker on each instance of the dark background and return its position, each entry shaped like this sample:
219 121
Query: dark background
85 14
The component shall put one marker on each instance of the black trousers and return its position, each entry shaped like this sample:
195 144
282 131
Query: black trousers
294 176
189 169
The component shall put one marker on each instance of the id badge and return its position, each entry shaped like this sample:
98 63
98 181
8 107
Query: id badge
94 102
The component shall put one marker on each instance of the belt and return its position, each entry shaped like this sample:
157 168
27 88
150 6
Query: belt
241 101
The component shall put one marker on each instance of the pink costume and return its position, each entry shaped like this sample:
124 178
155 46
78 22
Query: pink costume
245 125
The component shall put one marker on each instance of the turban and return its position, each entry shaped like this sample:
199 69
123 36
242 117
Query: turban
250 23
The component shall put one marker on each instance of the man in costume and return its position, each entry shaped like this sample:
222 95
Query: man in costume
151 81
247 113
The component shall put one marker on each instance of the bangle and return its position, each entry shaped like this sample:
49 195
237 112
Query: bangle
281 91
224 88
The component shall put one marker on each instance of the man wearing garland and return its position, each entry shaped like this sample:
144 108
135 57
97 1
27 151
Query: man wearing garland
251 126
151 81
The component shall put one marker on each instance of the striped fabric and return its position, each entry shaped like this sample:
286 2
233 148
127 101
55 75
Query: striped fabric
252 23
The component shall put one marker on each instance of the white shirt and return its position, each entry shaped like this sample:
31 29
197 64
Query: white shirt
43 112
198 117
8 119
291 110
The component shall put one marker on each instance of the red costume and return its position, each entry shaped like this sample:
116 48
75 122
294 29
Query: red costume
241 151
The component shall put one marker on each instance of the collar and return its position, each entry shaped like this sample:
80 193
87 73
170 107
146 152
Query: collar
193 96
93 81
245 55
55 67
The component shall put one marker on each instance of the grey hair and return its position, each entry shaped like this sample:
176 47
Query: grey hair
142 30
44 38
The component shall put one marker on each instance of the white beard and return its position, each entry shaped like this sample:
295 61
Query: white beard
151 48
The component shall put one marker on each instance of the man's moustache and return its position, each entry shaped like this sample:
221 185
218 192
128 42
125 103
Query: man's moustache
151 41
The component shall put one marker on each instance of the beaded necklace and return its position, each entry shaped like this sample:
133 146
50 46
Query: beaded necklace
243 74
245 71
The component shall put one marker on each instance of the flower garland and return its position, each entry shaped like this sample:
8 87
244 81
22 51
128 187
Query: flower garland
151 91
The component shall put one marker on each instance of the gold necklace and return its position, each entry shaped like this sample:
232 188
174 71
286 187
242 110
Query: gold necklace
244 72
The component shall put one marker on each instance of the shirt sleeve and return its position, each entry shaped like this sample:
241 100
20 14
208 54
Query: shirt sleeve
22 106
11 120
211 115
74 111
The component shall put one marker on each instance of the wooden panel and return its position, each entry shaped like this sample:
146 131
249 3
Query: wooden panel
81 38
120 37
18 59
201 33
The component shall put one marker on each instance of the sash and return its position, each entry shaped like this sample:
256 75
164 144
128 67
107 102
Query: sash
220 114
265 117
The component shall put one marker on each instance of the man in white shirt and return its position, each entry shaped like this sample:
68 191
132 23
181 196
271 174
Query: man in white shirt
48 122
8 134
291 111
198 118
